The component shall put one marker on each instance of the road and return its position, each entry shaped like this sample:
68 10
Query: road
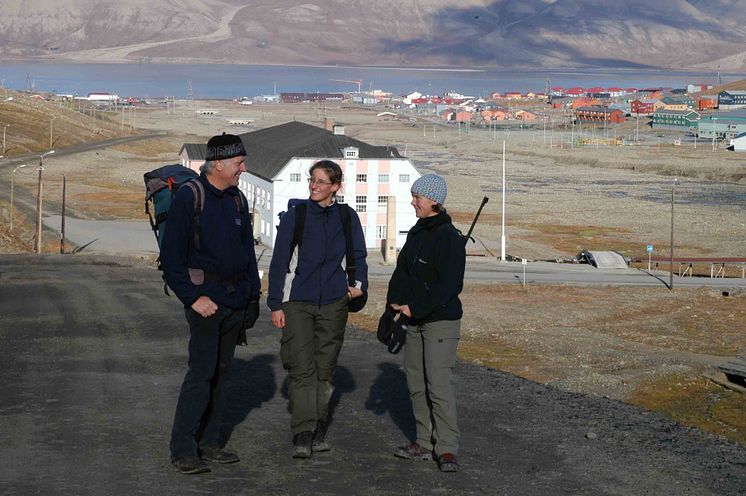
127 238
92 354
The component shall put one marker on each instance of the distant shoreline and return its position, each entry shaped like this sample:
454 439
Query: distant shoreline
563 70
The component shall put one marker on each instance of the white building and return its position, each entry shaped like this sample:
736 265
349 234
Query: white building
102 98
278 160
739 143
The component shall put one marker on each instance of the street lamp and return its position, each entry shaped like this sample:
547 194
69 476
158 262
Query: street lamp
38 201
5 126
12 183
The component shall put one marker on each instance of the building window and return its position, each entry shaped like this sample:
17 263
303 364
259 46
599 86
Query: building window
403 178
351 154
340 198
294 178
383 200
361 178
361 204
383 178
381 232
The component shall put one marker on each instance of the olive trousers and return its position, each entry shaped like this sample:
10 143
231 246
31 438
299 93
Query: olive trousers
311 341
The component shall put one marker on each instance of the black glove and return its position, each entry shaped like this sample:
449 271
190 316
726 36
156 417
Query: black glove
249 319
399 335
252 313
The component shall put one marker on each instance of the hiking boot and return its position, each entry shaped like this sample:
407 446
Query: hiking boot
218 455
447 463
190 465
319 438
414 452
303 443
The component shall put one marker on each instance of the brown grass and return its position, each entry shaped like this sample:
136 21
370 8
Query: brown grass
32 119
638 337
697 402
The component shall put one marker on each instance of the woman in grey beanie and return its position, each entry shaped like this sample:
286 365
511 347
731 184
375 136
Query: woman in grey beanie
424 287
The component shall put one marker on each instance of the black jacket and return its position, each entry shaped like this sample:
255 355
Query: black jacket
429 272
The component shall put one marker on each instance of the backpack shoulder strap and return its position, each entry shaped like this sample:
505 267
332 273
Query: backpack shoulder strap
242 204
300 223
199 202
345 214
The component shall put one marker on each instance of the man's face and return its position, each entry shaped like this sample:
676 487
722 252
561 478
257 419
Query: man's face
230 169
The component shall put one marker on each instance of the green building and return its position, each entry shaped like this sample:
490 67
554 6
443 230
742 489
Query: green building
725 125
677 119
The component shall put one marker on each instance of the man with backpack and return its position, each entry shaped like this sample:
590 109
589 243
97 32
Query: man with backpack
208 259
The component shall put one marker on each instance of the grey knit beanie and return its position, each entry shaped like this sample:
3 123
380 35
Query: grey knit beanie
431 186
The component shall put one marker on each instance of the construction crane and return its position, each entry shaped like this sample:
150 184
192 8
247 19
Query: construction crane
359 82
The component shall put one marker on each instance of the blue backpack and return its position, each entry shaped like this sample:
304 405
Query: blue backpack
161 185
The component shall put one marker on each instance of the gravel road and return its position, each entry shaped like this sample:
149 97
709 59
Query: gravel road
93 354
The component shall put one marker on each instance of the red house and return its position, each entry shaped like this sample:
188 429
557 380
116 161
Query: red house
642 107
599 113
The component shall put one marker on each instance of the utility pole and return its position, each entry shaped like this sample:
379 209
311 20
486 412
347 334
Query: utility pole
37 243
51 127
713 133
670 274
5 126
502 236
62 229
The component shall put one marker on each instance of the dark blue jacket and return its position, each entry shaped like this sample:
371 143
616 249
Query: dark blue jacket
429 272
226 253
317 274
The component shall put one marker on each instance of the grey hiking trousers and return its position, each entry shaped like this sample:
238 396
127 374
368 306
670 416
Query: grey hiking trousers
429 363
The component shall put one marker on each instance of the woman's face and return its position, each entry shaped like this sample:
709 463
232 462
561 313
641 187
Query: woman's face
320 187
423 207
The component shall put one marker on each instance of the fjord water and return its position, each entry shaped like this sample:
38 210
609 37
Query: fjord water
222 81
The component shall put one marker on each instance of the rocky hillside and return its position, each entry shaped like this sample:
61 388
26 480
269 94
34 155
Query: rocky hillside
695 34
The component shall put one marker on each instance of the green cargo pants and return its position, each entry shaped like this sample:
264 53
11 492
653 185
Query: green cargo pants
310 345
429 363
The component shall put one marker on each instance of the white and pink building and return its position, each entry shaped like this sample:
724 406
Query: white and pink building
279 157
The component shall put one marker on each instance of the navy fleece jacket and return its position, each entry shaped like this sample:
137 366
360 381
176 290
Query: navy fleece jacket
317 273
226 248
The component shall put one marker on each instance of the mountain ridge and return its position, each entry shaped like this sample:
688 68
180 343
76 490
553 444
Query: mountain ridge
676 34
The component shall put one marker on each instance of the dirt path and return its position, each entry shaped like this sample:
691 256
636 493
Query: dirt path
124 53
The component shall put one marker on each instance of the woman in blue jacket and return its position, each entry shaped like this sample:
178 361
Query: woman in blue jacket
308 296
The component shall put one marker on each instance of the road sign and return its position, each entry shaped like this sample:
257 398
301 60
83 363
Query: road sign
650 251
650 248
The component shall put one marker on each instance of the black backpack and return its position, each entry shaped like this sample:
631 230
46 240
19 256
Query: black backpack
345 213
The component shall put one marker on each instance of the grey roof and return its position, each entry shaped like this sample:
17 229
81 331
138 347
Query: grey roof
595 108
194 151
675 112
270 149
